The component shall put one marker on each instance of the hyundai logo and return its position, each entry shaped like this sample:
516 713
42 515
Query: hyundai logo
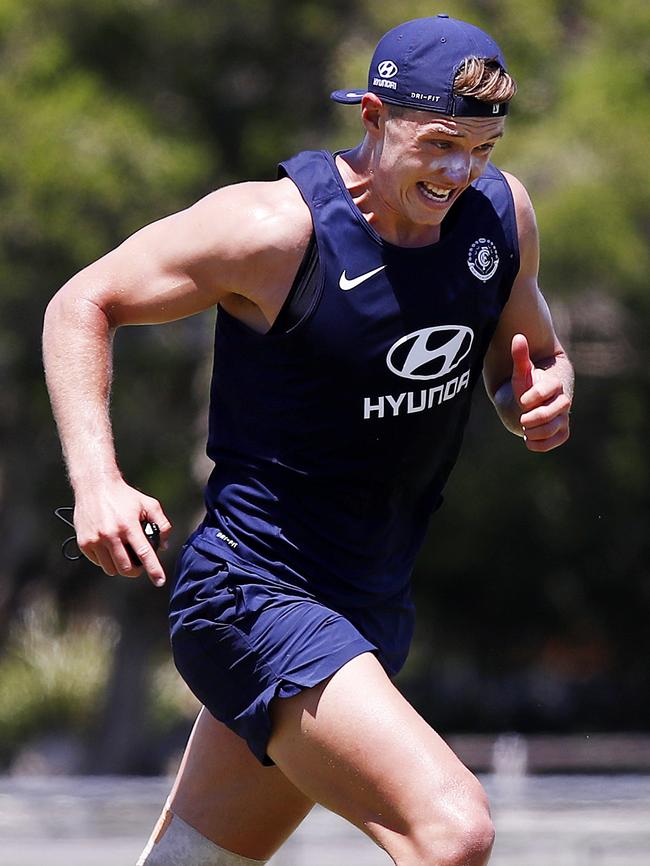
430 353
387 69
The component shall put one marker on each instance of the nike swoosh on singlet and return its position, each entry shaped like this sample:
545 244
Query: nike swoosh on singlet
346 284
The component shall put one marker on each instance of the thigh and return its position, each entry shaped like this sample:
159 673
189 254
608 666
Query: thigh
355 745
223 791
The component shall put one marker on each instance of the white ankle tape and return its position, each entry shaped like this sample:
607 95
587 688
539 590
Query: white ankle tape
175 843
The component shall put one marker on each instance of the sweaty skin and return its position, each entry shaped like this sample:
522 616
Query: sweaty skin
405 166
352 743
241 247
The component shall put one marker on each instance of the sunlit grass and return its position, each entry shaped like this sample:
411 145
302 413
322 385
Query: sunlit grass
52 674
172 701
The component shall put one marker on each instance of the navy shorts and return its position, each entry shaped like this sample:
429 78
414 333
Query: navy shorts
241 638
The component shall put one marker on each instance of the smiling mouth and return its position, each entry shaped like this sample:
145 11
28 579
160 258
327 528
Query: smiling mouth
435 193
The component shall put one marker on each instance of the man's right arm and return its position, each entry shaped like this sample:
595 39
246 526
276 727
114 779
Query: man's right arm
244 242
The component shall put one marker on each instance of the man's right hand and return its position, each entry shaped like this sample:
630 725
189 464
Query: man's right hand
108 524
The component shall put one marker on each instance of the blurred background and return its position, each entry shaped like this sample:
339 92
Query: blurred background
533 588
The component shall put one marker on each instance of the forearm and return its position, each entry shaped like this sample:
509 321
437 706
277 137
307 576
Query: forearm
509 409
77 355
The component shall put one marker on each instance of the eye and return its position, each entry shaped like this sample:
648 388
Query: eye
486 148
439 144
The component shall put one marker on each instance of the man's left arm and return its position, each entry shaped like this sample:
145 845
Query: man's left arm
527 373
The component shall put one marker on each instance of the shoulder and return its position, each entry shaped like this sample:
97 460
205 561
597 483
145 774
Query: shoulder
527 232
250 237
254 217
524 211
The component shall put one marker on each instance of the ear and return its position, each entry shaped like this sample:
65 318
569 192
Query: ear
373 113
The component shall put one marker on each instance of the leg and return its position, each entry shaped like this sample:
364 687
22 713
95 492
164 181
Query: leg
222 791
355 745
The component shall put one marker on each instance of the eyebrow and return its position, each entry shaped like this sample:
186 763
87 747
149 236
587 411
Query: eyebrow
442 130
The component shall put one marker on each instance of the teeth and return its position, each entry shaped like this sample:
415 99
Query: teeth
436 192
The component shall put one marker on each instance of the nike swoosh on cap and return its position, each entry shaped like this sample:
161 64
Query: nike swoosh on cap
346 284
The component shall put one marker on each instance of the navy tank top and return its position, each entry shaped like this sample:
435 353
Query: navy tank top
332 441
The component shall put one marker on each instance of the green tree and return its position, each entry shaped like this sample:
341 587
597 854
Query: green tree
120 111
116 113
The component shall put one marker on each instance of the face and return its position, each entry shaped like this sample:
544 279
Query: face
423 162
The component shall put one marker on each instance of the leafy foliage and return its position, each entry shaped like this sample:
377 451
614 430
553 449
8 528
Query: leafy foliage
534 585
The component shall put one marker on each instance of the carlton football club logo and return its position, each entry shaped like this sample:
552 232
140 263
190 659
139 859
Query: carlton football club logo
483 259
431 352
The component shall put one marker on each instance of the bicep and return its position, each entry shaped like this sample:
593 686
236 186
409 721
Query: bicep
165 271
526 311
236 240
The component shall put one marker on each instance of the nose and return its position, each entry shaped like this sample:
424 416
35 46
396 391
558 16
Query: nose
458 168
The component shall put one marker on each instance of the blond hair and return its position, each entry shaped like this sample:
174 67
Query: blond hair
484 79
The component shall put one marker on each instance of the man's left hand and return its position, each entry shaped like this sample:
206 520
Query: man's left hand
542 399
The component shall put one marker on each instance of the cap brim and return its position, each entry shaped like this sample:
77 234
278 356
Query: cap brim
348 97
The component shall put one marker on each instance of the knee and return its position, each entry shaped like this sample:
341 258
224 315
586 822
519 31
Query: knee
469 843
461 835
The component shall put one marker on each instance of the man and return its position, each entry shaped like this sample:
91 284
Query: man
360 298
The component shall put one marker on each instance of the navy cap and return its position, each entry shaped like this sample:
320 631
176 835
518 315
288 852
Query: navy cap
415 65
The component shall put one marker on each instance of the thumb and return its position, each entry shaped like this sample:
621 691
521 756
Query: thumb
522 366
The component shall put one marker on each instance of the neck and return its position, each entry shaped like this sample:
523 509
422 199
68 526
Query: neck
357 168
